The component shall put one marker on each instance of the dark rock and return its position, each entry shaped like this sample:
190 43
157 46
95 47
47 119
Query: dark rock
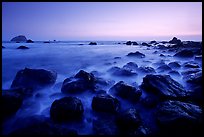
161 46
199 57
175 41
46 42
144 69
190 71
155 52
83 75
192 44
153 42
163 86
164 68
29 41
34 78
128 43
92 43
122 72
3 47
164 42
136 54
40 125
195 78
130 66
161 55
150 101
117 57
191 65
184 53
22 47
19 38
174 72
145 44
174 65
10 103
179 118
67 108
134 43
105 103
126 91
129 120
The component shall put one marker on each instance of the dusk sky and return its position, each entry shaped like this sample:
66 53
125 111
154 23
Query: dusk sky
102 20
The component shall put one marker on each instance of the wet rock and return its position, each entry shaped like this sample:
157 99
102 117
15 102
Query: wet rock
117 57
105 103
128 43
126 91
145 44
3 47
153 42
34 78
163 86
46 42
67 108
20 38
174 64
40 125
184 53
129 120
122 72
136 54
155 52
10 103
161 55
92 43
22 47
195 78
130 66
182 118
161 46
190 71
164 68
29 41
192 44
150 101
82 81
144 69
199 57
134 43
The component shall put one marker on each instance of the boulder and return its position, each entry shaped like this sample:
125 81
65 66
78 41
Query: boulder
22 47
163 86
130 66
162 55
134 43
184 53
136 54
190 71
29 41
164 68
145 44
153 42
105 103
144 69
10 103
3 47
122 72
82 81
128 120
126 91
174 65
161 46
34 78
65 109
191 65
46 42
128 43
175 41
179 118
174 72
20 38
92 43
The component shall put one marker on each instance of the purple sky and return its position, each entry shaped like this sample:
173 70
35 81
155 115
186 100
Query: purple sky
102 20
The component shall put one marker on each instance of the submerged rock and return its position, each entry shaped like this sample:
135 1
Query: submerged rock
179 118
34 78
126 91
136 54
130 66
134 43
20 38
105 103
184 53
174 64
67 108
163 86
92 43
22 47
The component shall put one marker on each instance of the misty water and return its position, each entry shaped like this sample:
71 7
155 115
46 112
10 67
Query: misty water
67 59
